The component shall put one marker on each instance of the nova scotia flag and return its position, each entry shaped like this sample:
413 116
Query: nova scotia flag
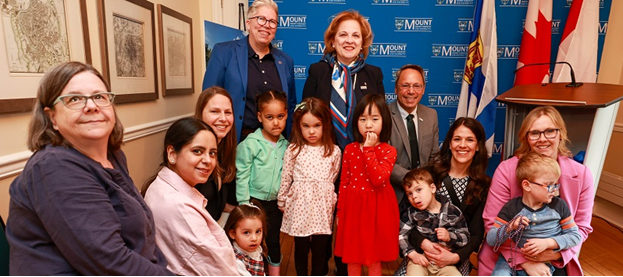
480 79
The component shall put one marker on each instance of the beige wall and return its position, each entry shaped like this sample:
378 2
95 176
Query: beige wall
611 71
145 120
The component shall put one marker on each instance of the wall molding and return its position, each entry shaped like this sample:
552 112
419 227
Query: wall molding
618 127
13 164
610 187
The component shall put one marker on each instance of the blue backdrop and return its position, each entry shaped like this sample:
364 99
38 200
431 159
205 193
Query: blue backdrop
431 33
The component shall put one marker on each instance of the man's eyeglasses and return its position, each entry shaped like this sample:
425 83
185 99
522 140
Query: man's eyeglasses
549 134
406 87
78 102
550 188
262 21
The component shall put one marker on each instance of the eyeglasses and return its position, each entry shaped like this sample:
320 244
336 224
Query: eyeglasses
550 188
262 21
416 87
78 102
549 134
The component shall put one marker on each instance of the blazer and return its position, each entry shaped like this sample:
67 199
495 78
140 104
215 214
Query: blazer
428 142
228 68
318 84
576 189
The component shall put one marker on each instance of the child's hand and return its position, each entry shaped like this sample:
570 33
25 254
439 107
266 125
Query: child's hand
513 225
371 139
534 247
443 234
418 258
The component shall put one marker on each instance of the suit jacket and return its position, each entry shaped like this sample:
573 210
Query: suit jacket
576 189
228 68
428 142
318 83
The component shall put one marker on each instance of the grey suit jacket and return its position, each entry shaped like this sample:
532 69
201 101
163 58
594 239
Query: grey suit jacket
428 142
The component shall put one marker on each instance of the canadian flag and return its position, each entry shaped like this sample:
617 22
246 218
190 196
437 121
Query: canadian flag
578 45
536 43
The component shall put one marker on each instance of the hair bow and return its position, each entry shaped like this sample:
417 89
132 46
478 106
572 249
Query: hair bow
299 106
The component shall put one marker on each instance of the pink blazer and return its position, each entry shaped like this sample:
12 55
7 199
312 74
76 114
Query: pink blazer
576 189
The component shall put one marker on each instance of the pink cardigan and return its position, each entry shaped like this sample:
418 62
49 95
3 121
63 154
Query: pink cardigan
576 189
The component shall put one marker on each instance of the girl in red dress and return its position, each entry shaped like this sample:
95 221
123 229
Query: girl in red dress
367 211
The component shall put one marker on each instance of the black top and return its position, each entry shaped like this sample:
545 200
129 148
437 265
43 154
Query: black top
217 198
263 76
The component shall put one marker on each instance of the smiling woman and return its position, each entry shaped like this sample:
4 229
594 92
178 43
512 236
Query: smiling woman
74 209
192 241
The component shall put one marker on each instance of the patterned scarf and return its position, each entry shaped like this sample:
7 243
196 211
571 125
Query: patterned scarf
343 100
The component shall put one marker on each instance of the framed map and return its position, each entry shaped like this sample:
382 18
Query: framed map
176 52
36 35
127 37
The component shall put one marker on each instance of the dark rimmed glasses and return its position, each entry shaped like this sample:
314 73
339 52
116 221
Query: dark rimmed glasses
550 188
262 21
78 101
548 133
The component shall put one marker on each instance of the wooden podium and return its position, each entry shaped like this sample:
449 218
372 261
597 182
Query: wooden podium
589 112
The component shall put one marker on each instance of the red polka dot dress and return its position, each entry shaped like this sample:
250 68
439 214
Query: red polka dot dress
367 211
307 193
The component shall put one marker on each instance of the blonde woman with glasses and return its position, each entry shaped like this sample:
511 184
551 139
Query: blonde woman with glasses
543 131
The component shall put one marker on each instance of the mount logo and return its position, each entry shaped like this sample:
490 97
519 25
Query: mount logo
315 47
293 21
388 50
450 50
413 24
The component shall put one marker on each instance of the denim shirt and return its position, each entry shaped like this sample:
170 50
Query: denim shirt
69 215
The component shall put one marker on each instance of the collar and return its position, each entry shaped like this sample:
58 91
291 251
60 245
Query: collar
171 178
404 113
252 53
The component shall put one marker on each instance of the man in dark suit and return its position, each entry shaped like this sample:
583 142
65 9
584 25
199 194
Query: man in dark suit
415 131
250 66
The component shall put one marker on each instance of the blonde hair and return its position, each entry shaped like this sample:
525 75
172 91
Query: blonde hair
366 31
554 115
257 4
532 165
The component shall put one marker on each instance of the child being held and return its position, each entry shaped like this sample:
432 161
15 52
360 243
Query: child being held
246 228
436 218
536 221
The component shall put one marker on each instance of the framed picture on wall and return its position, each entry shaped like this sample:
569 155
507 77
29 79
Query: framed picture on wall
176 52
128 43
34 37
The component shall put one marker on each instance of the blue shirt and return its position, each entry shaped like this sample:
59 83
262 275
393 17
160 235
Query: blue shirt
71 216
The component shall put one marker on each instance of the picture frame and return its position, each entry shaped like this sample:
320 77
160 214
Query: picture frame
21 68
128 43
176 52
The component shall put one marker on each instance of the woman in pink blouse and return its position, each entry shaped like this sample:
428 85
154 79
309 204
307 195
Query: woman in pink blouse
192 242
542 131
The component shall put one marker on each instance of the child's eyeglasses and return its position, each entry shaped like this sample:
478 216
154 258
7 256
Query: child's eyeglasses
550 188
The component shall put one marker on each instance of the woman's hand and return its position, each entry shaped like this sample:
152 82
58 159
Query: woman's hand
440 256
545 256
536 268
418 258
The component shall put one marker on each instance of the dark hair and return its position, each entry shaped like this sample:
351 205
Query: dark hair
41 131
179 134
367 102
479 182
244 211
269 96
409 66
227 146
319 109
366 31
418 174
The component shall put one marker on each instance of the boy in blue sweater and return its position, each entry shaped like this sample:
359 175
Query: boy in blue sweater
545 218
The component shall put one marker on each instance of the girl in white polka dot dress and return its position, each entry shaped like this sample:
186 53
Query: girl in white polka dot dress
307 194
367 211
